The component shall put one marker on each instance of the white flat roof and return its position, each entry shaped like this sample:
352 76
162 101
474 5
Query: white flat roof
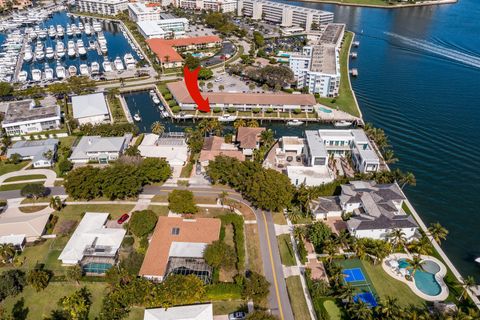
187 249
15 239
173 150
91 231
311 176
150 28
190 312
89 105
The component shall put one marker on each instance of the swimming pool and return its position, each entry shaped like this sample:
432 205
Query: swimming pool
325 110
95 267
425 280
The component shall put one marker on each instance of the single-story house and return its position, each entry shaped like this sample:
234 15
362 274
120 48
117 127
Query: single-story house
177 247
90 108
41 152
32 226
216 146
326 207
16 240
99 149
173 149
202 311
248 139
93 244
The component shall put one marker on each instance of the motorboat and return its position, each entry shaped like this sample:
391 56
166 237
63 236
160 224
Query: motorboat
477 260
36 75
137 117
118 64
22 76
43 34
28 55
39 54
69 31
91 45
343 123
294 123
88 29
107 65
84 70
103 48
72 71
80 47
80 26
60 49
101 39
155 99
130 61
61 72
140 56
60 31
227 118
71 48
97 26
52 33
95 67
48 72
49 53
183 115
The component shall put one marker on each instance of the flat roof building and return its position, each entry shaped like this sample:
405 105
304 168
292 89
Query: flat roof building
164 28
41 152
202 311
90 108
144 11
101 149
173 149
209 5
105 7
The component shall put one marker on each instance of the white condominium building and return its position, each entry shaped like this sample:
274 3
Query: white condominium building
284 14
164 28
141 11
318 66
105 7
212 5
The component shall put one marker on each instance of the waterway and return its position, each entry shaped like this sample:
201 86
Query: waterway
420 81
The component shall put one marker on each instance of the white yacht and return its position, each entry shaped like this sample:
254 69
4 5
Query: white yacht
39 54
97 26
101 39
43 34
95 67
72 71
49 53
36 75
77 31
227 118
294 123
60 49
107 65
60 31
22 76
80 26
60 71
91 45
342 123
130 61
80 47
137 117
155 99
28 55
118 64
69 30
48 72
88 29
84 70
71 48
103 48
52 33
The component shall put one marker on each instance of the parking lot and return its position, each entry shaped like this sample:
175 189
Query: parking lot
230 83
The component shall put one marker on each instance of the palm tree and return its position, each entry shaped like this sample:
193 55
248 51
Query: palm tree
343 239
267 137
360 311
359 248
397 238
389 156
346 292
330 248
252 123
465 286
415 264
56 203
421 245
294 214
157 128
389 309
7 252
407 178
239 123
438 232
299 232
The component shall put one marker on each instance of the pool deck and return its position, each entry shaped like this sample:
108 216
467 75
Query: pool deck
439 276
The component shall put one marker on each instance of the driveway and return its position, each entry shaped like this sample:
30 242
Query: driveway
50 174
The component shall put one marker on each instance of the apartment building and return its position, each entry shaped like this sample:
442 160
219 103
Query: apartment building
211 5
318 66
142 11
18 4
105 7
164 28
284 14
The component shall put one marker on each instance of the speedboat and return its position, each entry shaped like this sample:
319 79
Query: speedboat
101 39
130 61
103 48
39 54
81 49
36 75
60 49
95 67
52 33
97 26
118 64
294 123
69 31
22 76
43 34
28 56
71 48
91 45
80 26
49 53
137 117
72 71
107 65
60 71
48 72
227 118
155 99
477 260
88 29
60 31
343 123
84 70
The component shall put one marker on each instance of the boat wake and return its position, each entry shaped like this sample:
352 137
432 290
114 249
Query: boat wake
452 54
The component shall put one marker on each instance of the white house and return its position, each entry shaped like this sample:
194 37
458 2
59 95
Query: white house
171 147
164 28
99 149
376 210
16 240
90 108
24 117
41 152
93 243
202 311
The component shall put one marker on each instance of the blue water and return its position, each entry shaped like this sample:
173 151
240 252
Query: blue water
99 268
426 95
424 280
117 44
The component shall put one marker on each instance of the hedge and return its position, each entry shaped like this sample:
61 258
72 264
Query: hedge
237 222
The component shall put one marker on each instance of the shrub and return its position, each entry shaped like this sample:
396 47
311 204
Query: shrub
167 96
269 110
232 109
220 255
256 110
171 103
181 201
128 242
142 222
297 111
176 109
217 109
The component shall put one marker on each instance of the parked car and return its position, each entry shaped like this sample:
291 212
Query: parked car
123 218
239 315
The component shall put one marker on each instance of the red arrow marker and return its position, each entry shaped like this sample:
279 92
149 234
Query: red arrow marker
191 81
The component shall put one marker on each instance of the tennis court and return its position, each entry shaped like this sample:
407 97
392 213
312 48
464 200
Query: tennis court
367 298
356 276
353 275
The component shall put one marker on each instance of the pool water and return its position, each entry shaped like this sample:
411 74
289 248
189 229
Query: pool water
98 268
325 110
425 280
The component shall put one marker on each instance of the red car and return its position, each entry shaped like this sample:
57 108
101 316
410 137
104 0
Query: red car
123 218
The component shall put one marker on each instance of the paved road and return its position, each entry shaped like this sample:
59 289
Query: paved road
49 174
272 265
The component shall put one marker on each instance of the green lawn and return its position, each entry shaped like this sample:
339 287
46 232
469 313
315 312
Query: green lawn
10 167
297 298
279 218
345 100
40 304
16 186
28 177
226 307
332 309
286 250
75 211
159 210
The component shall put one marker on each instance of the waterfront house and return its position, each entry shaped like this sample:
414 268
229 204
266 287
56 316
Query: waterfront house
282 102
25 117
18 241
169 146
42 152
93 245
202 311
90 108
177 247
99 149
248 139
216 146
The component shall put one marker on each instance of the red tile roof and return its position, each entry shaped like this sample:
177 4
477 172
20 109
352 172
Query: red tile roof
248 137
213 147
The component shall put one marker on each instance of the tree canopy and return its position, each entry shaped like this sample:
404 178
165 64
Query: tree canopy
220 255
108 129
6 89
33 190
182 201
142 222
